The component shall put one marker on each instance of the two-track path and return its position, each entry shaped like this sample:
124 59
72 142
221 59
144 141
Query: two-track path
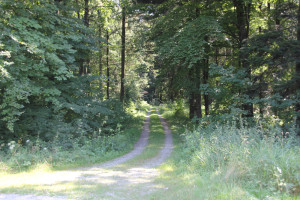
112 181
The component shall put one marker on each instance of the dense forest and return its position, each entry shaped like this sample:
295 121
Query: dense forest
74 73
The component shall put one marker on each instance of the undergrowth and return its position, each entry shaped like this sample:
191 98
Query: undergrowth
67 151
236 161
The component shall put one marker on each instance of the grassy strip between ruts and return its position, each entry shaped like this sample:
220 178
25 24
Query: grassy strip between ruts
187 175
156 142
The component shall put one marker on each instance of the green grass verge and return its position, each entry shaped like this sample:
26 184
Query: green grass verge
187 175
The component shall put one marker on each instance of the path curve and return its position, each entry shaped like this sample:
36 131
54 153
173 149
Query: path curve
74 174
138 148
141 175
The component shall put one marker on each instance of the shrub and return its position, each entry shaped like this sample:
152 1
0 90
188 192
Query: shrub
62 151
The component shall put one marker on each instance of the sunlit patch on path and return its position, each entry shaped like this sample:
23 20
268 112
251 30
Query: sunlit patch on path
28 197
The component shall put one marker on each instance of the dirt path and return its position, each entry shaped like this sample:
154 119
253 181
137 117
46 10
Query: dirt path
113 182
166 150
138 148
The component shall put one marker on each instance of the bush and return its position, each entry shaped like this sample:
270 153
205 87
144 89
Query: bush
62 151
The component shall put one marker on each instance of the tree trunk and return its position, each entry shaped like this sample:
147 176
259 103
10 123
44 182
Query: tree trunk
122 92
243 20
206 75
198 105
100 53
297 107
191 94
86 23
205 81
192 105
107 65
86 13
197 82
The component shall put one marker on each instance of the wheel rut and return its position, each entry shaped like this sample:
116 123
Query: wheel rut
116 183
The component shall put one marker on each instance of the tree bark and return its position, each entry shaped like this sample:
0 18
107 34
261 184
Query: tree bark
191 94
122 92
297 107
100 53
198 106
243 21
197 82
192 105
86 23
205 81
206 75
107 65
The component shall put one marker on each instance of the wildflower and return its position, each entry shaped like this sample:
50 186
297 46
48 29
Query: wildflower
45 148
27 141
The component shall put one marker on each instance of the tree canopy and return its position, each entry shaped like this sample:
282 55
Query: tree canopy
73 64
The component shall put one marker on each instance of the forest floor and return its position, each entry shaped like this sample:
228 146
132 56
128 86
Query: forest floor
132 176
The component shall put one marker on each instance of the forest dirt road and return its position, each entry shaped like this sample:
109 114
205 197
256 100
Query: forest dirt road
113 180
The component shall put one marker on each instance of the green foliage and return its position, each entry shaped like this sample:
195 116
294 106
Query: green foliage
39 57
66 150
41 94
182 47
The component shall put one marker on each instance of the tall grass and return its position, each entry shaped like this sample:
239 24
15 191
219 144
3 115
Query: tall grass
67 151
263 161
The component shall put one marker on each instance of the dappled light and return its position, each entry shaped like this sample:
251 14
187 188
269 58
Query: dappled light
149 99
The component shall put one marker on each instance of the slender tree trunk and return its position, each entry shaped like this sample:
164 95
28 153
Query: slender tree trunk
122 92
198 92
197 81
216 56
192 94
86 23
100 52
107 65
261 88
205 81
206 75
297 107
259 7
243 20
81 61
192 105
